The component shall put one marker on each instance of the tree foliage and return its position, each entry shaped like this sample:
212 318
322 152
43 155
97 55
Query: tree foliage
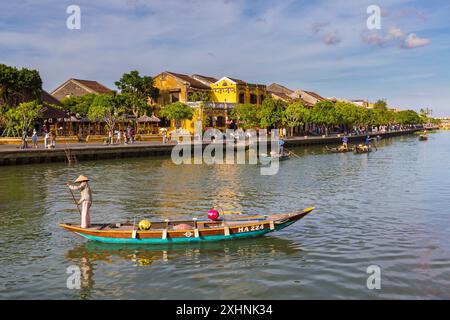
380 104
20 118
177 111
323 113
271 113
247 115
19 85
79 105
106 107
136 91
296 114
199 96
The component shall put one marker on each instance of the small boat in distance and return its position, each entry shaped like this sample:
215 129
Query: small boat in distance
338 149
266 159
187 231
423 137
362 149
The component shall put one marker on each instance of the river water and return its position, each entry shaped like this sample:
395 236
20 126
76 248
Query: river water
389 208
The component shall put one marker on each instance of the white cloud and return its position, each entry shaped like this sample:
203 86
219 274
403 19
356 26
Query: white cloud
375 38
413 41
332 38
395 32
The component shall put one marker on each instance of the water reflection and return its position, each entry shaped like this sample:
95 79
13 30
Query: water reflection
145 255
388 208
246 253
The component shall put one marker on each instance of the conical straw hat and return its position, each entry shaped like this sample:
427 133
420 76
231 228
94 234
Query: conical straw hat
81 179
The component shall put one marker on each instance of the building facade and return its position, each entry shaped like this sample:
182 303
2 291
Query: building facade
78 87
218 97
230 90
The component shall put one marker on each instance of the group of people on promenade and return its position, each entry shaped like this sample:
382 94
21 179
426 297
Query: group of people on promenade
122 136
49 139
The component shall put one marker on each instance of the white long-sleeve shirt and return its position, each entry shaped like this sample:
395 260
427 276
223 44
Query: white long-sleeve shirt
86 194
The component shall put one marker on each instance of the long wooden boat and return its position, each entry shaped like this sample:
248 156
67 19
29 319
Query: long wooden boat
266 159
165 232
337 150
359 150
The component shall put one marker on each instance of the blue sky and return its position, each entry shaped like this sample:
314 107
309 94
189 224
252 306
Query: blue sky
322 46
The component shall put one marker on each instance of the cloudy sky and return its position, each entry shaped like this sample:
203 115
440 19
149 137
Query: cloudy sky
318 45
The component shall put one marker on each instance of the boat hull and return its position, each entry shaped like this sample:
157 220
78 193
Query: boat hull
234 230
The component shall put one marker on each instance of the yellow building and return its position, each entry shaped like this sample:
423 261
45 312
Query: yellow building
221 96
229 90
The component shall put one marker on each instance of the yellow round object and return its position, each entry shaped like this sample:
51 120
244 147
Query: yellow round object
144 225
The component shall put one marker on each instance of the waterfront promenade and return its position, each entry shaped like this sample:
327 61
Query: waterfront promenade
12 154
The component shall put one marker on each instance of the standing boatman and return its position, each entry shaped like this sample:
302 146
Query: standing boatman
85 200
345 142
281 144
368 142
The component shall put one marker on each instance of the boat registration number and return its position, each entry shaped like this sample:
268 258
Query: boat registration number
252 228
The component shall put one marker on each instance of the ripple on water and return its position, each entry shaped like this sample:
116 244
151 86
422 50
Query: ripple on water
388 208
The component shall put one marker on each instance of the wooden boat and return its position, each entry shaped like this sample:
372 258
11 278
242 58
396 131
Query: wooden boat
193 231
266 159
338 150
359 149
423 137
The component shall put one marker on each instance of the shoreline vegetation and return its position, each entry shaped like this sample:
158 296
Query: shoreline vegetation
12 155
23 103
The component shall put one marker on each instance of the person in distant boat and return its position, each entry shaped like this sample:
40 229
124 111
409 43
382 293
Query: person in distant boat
281 144
344 146
85 200
368 140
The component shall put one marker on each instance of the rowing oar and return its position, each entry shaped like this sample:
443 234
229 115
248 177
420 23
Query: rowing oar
292 152
74 200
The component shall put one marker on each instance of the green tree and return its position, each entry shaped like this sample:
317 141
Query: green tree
380 104
20 118
323 113
407 117
19 85
177 111
107 107
136 91
271 113
79 105
247 114
347 114
199 96
296 114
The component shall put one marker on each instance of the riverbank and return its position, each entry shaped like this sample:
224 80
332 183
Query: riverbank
13 155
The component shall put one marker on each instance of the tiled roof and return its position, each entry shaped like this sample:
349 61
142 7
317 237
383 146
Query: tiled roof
146 118
48 112
192 82
315 95
281 95
93 86
237 80
275 87
206 78
47 98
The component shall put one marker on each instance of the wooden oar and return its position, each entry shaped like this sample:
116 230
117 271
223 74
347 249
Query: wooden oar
231 212
74 200
292 152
